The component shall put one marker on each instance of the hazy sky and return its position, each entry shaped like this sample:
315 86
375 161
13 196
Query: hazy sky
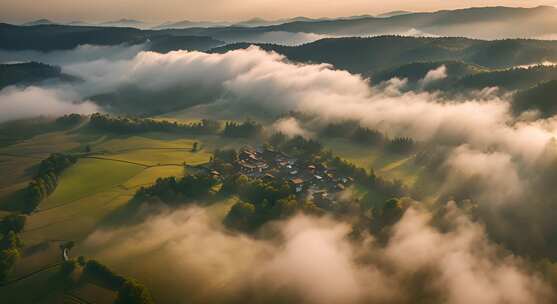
173 10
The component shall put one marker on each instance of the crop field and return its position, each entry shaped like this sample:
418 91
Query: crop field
36 257
46 287
94 187
93 293
88 177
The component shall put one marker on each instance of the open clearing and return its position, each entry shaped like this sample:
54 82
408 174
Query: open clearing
387 165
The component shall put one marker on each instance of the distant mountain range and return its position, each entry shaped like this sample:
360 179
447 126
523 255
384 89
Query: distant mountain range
255 22
114 23
481 23
478 23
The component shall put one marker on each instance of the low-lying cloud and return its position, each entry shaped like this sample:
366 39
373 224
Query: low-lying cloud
187 257
434 76
17 103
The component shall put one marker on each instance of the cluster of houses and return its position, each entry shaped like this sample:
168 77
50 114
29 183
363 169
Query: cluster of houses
315 179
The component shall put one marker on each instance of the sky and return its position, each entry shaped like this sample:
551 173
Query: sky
15 11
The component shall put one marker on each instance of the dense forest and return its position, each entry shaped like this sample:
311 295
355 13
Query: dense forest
29 73
542 97
375 54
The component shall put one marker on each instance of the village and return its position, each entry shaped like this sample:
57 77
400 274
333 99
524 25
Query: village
312 179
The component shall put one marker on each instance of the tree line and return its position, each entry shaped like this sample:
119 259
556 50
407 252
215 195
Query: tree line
46 179
109 123
129 291
368 137
246 129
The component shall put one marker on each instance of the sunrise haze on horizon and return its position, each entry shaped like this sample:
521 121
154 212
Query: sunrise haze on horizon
222 10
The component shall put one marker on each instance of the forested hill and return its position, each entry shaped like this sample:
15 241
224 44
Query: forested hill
29 73
374 54
479 23
63 37
542 97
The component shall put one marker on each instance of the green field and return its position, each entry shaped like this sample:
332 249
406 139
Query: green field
94 187
89 177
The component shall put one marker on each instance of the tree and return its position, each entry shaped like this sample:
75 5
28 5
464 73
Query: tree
103 273
285 207
240 216
132 292
391 212
67 267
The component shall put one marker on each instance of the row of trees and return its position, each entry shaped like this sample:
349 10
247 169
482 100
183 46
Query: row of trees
129 290
46 179
138 125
